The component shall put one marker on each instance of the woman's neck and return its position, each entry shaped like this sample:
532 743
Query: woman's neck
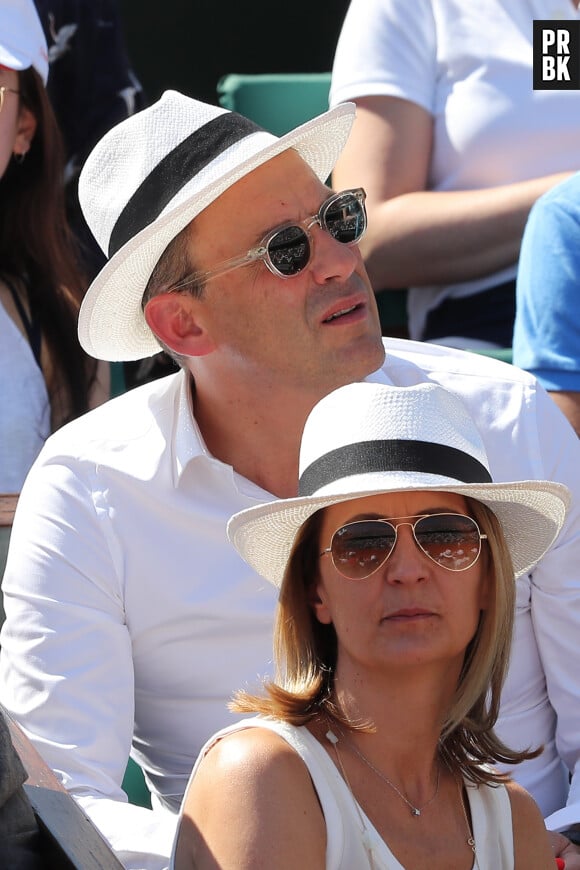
406 713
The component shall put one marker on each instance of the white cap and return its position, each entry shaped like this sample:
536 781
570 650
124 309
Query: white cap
22 40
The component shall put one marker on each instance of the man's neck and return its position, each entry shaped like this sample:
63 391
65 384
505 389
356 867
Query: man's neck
260 441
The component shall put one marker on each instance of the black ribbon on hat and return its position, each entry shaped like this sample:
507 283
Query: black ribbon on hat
391 455
174 171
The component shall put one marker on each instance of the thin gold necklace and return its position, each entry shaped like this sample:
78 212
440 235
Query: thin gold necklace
366 837
415 811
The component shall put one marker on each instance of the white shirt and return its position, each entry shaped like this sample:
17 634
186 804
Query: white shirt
129 613
470 66
351 837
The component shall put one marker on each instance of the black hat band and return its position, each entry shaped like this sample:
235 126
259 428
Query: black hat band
364 457
175 170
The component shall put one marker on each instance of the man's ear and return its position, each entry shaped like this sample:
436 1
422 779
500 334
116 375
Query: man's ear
173 319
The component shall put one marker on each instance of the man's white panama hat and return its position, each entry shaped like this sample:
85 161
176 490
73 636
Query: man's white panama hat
150 176
22 40
365 439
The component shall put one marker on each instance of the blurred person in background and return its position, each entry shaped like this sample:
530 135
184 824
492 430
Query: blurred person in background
547 326
453 146
91 87
45 378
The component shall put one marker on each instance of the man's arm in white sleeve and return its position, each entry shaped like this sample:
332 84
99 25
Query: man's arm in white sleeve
66 669
555 602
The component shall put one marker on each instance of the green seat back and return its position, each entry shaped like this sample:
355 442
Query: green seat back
502 353
276 101
118 384
135 787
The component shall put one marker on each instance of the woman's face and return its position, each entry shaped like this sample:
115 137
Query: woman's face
17 123
411 611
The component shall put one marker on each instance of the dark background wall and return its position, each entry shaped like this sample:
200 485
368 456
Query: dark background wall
189 44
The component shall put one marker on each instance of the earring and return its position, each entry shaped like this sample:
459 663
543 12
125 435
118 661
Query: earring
19 158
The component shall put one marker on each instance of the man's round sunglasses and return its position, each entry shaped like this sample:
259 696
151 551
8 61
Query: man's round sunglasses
360 548
287 249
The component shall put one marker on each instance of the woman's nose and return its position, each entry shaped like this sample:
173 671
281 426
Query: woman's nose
407 562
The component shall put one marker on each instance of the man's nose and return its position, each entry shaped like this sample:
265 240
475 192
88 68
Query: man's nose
331 260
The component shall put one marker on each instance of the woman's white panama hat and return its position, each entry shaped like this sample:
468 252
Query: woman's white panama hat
365 439
150 176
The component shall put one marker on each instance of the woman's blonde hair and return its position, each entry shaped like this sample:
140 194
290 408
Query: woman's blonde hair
305 653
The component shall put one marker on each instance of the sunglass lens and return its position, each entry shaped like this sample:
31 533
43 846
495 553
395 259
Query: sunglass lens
289 251
451 540
345 218
359 548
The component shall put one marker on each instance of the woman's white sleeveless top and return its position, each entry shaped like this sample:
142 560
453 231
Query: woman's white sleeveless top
352 840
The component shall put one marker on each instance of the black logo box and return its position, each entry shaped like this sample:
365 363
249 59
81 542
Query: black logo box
560 41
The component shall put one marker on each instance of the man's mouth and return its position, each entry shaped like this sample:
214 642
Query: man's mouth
340 313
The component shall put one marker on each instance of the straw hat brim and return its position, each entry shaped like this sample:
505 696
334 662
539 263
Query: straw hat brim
531 514
111 322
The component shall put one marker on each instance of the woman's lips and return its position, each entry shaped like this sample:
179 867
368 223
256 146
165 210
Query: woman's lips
409 613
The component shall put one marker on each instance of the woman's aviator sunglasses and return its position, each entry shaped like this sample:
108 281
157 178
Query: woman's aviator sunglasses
360 548
286 250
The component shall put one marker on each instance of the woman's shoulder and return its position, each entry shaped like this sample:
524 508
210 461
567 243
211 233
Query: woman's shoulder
256 755
252 741
245 775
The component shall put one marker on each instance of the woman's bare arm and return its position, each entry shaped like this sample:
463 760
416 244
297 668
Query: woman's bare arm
251 806
417 236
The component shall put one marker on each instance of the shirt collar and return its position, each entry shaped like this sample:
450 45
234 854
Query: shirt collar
188 441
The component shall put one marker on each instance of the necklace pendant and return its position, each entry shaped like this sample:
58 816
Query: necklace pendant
415 811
